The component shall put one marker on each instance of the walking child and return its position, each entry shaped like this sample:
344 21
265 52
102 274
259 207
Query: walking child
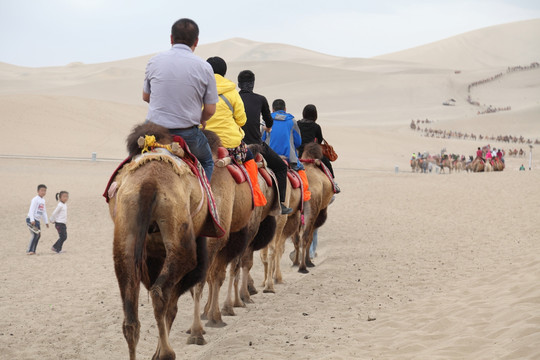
59 218
36 213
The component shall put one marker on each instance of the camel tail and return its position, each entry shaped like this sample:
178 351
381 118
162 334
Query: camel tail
146 205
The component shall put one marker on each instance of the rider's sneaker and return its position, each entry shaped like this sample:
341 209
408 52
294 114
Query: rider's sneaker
285 210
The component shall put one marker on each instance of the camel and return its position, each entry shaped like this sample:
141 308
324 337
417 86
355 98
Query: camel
261 230
446 163
498 165
322 191
477 165
414 165
157 225
488 167
286 226
234 204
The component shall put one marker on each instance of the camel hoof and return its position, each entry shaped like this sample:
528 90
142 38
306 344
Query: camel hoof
196 340
227 311
240 304
269 291
252 290
303 271
310 264
216 324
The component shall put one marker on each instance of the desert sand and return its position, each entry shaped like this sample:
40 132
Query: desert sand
444 266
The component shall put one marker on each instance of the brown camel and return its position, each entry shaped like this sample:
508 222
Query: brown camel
261 230
498 165
446 163
157 223
286 226
322 191
234 204
477 165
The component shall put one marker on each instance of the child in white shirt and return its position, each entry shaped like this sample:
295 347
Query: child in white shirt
36 212
59 218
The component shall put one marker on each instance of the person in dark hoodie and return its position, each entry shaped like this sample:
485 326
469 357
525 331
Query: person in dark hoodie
312 132
256 106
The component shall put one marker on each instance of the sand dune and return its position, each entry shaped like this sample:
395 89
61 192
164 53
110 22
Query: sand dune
447 264
494 46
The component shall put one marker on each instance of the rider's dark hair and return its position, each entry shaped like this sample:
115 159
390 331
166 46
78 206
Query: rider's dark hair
278 104
218 65
185 31
310 112
41 186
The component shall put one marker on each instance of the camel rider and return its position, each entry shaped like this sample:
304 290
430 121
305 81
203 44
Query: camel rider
256 106
284 138
181 91
227 123
479 154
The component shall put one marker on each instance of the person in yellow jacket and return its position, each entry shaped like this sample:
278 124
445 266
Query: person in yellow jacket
227 123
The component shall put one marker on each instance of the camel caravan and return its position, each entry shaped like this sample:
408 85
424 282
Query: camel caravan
487 159
174 231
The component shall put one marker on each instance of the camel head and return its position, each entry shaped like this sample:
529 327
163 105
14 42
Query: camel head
312 151
161 133
214 141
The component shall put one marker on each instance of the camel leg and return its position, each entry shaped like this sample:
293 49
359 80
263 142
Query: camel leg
246 265
163 290
204 315
129 290
196 332
237 299
305 240
214 314
227 308
251 284
245 294
264 259
277 276
269 274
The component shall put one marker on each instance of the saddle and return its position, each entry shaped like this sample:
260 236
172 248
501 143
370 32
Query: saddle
294 178
292 175
181 159
261 164
239 175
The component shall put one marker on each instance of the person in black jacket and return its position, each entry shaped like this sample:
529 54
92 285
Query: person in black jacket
311 132
255 106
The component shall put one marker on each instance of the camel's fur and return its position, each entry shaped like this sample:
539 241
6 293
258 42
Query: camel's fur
156 241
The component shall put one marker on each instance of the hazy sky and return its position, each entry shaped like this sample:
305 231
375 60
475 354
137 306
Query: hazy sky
57 32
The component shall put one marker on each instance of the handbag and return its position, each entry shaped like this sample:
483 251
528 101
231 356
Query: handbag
328 151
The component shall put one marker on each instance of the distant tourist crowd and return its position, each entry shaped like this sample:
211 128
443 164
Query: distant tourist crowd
450 134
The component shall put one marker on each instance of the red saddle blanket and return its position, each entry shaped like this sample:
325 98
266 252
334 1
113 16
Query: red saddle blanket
263 171
212 227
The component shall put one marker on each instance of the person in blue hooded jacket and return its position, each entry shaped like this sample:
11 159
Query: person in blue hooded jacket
284 138
285 135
